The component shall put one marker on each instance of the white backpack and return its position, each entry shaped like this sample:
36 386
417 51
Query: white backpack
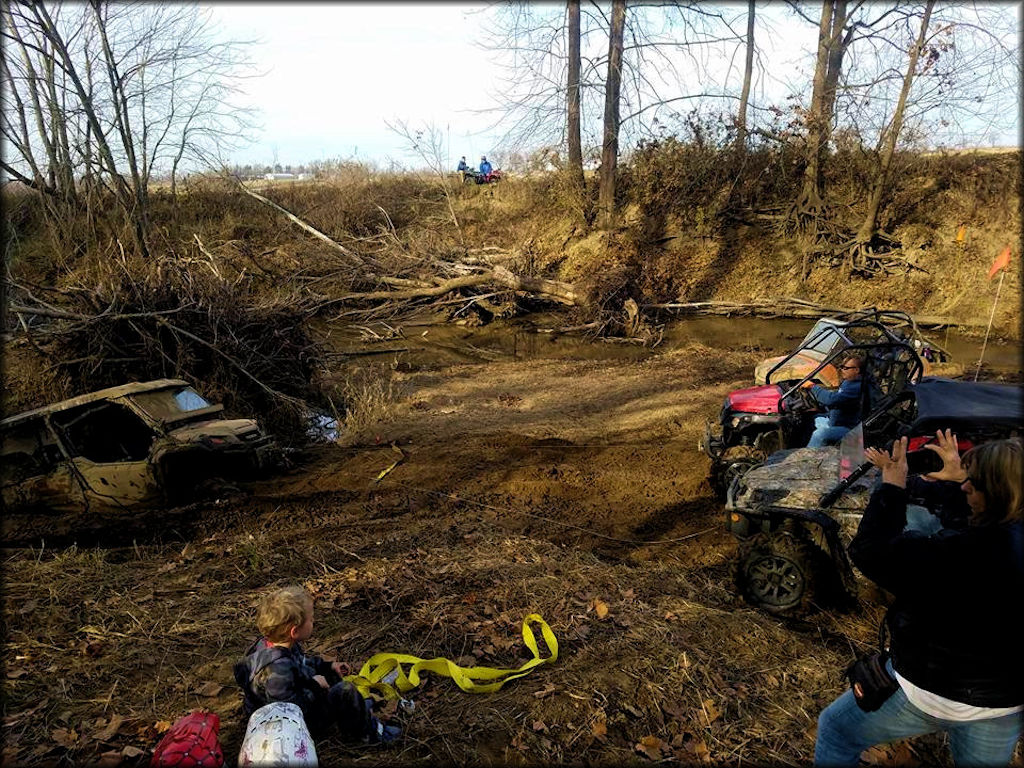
277 737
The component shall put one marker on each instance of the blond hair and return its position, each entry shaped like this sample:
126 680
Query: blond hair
995 471
281 610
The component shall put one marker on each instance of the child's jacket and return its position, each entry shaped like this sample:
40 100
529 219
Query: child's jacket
273 673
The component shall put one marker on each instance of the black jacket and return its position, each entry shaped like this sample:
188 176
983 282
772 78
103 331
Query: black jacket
274 673
956 620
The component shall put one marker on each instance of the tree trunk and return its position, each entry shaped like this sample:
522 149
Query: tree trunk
831 48
121 189
748 69
573 105
139 209
867 229
610 148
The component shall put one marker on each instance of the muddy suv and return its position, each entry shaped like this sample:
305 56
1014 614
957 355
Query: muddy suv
795 514
138 444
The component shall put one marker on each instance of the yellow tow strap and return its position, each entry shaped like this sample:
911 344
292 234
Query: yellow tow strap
371 677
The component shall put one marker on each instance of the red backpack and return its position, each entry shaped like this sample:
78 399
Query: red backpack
190 743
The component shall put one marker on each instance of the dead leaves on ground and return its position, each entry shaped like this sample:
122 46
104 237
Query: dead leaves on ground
684 747
96 736
91 741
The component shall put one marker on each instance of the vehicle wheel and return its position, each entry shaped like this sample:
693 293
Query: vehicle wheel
780 572
729 472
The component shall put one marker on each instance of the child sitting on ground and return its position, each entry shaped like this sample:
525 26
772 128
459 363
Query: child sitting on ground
276 669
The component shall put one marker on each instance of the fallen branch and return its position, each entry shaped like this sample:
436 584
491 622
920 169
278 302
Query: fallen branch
355 258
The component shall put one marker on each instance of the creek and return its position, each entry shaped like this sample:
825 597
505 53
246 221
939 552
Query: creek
427 343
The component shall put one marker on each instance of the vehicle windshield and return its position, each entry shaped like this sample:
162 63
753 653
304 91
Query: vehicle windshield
170 404
821 339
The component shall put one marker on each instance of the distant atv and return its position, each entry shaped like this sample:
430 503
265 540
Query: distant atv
828 333
136 445
757 421
472 176
796 513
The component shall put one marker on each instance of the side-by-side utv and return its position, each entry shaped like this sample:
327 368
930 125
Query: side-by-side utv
795 513
757 421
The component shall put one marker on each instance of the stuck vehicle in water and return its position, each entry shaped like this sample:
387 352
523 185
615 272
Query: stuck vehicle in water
795 514
138 444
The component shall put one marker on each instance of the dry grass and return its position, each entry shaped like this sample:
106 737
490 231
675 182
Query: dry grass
368 395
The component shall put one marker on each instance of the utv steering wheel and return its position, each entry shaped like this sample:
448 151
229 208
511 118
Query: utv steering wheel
801 400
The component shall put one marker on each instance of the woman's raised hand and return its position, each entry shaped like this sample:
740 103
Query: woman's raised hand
893 465
946 446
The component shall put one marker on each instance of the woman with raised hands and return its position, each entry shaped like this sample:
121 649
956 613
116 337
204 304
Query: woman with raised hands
956 617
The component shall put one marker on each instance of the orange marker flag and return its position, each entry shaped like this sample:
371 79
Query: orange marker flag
1002 262
961 234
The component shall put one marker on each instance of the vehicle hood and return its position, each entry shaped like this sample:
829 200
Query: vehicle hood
797 478
191 433
798 366
763 399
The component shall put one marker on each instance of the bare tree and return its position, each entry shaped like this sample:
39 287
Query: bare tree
575 169
118 92
664 45
891 134
748 71
610 146
428 145
834 38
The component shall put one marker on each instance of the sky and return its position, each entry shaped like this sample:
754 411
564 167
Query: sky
337 73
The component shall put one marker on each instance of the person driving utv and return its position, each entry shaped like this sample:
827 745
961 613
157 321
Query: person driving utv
843 404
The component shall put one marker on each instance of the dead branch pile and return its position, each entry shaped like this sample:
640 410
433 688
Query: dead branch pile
384 277
123 319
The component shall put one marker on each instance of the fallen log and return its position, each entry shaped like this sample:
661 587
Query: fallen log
564 293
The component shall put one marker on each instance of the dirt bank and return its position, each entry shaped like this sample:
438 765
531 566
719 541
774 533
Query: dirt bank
566 488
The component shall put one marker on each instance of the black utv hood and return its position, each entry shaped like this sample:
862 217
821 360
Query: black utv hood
966 405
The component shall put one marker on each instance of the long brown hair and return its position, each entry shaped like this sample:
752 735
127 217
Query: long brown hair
995 470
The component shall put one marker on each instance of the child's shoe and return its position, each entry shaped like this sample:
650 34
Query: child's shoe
382 734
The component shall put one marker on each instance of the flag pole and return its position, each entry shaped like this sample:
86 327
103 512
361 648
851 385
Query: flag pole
1002 274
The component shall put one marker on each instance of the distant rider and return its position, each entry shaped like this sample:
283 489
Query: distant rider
463 167
485 167
843 404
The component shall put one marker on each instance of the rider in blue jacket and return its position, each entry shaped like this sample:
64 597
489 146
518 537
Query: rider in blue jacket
843 405
485 167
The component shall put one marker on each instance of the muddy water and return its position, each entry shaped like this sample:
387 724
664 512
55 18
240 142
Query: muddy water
428 344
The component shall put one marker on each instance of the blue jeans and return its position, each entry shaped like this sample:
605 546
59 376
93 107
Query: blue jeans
921 520
845 730
824 434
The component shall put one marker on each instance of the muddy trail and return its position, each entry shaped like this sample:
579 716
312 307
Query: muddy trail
459 498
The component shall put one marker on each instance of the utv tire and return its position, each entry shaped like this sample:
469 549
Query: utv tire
781 572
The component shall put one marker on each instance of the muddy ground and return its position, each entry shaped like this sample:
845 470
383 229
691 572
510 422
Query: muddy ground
568 488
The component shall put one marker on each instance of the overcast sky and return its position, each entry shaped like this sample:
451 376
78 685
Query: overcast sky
336 73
